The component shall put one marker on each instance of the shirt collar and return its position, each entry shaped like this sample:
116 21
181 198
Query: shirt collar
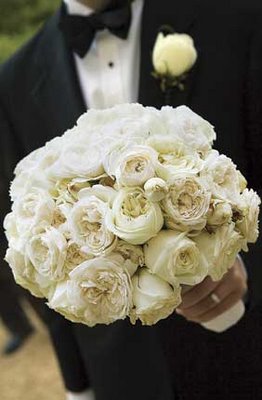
76 8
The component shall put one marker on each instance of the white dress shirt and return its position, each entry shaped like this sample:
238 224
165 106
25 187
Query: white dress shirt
109 72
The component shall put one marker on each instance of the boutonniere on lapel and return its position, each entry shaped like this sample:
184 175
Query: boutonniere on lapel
174 54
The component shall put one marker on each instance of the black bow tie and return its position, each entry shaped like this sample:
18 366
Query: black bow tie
79 31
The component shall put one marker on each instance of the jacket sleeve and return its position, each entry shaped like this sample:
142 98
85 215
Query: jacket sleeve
61 331
253 131
9 155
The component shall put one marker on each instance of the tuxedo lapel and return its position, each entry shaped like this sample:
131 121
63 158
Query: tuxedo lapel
154 17
56 92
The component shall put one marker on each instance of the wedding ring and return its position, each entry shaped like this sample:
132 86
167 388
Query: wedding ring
215 298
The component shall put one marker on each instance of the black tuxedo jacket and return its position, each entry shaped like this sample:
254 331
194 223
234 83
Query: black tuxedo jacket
40 98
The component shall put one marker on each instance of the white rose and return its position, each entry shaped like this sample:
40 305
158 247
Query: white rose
182 123
220 212
186 205
47 253
174 156
248 225
66 190
153 298
125 122
225 180
33 210
75 256
174 54
86 221
24 273
219 249
155 189
27 181
129 256
98 292
133 217
10 227
78 159
175 258
132 166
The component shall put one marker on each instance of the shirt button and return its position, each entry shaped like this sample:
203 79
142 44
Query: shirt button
110 64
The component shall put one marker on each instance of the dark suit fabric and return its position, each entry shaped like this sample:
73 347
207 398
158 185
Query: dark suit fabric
40 98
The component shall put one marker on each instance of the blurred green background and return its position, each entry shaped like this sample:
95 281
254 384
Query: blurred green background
19 20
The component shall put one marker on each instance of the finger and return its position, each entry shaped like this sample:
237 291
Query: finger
222 290
198 293
219 309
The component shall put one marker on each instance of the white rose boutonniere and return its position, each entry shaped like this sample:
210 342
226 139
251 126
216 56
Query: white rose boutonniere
174 54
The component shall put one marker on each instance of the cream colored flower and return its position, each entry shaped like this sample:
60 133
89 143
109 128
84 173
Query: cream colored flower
75 256
132 166
248 225
174 54
133 217
155 189
129 256
220 212
78 160
174 156
193 131
86 221
24 273
225 180
47 253
186 205
153 298
34 210
175 258
66 190
27 181
98 292
219 249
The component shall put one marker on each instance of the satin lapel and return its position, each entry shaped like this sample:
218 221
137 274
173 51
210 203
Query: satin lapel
181 15
56 92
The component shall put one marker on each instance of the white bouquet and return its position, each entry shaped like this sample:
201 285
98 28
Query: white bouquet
111 219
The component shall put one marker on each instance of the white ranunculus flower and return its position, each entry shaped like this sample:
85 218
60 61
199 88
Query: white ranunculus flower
225 180
30 161
174 54
86 221
186 205
220 212
75 256
78 161
156 189
122 123
25 274
132 166
248 225
66 190
29 180
219 249
129 256
191 129
10 227
34 210
47 253
133 217
175 258
174 156
154 299
180 160
98 292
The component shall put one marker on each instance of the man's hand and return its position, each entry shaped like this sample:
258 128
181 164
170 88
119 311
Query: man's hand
209 299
